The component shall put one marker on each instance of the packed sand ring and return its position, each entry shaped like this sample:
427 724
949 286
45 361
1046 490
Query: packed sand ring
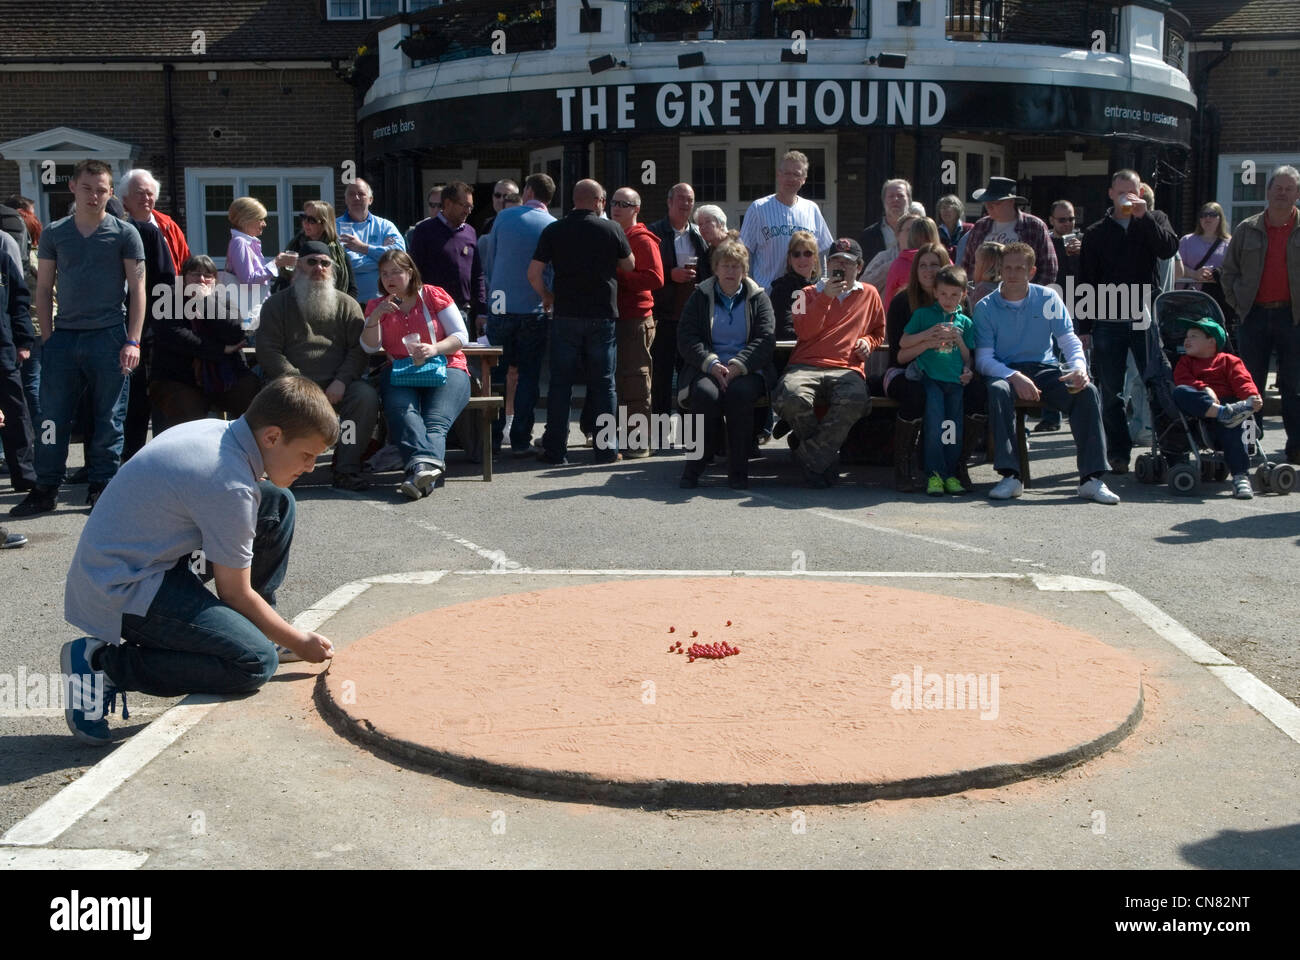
572 691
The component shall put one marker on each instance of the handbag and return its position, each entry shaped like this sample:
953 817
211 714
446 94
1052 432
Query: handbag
431 373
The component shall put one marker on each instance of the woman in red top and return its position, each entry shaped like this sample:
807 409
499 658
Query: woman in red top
418 417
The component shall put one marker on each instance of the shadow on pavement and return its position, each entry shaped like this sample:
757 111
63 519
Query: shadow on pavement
1277 848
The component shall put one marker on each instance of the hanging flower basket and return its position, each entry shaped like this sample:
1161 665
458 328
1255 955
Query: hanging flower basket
813 19
424 46
683 18
527 33
365 68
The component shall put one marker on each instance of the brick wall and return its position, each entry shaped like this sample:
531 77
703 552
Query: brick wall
280 118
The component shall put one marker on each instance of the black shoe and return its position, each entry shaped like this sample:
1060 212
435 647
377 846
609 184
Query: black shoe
1047 425
687 482
11 541
816 481
23 486
738 483
560 461
780 429
350 481
832 475
80 475
1119 465
93 492
39 500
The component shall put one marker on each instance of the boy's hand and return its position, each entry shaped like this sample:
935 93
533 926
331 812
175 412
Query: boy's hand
967 374
862 348
1256 402
314 648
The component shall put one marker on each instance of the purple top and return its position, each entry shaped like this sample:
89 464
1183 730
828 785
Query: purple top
449 259
244 259
1192 248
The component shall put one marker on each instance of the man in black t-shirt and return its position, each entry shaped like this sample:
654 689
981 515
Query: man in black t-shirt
586 253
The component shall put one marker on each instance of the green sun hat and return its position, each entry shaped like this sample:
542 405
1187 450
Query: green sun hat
1208 327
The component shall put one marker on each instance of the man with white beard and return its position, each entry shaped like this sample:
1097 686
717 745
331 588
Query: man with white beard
310 330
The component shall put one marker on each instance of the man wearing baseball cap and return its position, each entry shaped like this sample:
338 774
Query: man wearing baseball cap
1005 224
1212 384
837 322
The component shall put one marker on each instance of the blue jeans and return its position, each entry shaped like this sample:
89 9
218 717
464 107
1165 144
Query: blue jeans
31 371
1111 343
1231 440
943 405
419 417
593 345
1261 333
523 339
73 361
1083 409
192 642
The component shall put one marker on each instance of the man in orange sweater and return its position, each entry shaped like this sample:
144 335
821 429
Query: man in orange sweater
837 322
635 327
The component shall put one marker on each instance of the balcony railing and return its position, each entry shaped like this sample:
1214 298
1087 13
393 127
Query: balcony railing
1060 23
658 20
457 30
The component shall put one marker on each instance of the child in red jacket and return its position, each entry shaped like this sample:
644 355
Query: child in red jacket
1212 384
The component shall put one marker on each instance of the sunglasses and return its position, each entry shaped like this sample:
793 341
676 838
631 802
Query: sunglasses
318 262
1209 216
625 204
801 254
314 221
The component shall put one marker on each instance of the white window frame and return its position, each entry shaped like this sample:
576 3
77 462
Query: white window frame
732 205
330 15
198 177
973 209
1230 169
403 6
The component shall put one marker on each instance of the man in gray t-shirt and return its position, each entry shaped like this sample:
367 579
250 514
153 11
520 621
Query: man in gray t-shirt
191 506
96 261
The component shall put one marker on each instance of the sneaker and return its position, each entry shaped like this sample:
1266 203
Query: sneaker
287 655
520 452
408 488
426 475
953 485
80 475
90 694
350 481
41 499
638 454
934 486
1241 488
1049 424
1007 488
1095 489
589 440
11 541
1234 414
560 461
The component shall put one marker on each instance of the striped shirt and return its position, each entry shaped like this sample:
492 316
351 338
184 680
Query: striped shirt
766 232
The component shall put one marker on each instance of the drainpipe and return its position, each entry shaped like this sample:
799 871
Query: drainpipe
169 126
1205 137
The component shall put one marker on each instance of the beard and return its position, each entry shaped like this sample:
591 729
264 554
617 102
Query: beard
316 298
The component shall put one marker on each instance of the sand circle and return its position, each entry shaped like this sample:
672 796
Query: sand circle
841 692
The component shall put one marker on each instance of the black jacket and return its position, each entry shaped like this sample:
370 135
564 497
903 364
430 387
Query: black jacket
15 309
666 296
784 289
1114 255
1066 266
872 241
177 345
695 336
159 274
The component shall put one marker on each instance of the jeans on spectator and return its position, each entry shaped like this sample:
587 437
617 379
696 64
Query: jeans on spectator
1261 333
16 435
419 417
1111 343
360 405
943 407
1083 409
32 383
844 391
736 403
192 642
522 336
1231 440
135 429
579 342
73 361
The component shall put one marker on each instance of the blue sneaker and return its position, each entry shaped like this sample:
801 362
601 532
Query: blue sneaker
89 693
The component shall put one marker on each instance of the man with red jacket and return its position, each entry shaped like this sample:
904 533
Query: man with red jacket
636 324
837 323
139 192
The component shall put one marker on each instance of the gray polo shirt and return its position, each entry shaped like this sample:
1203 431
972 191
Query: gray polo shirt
193 487
90 281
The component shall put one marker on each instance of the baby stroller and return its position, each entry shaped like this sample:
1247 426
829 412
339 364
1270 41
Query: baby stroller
1182 453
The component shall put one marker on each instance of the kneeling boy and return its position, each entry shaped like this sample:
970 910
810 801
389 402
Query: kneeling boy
193 503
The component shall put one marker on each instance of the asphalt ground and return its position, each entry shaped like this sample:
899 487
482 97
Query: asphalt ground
1204 780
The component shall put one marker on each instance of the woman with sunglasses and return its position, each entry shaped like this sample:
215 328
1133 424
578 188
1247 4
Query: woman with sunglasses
318 224
1202 252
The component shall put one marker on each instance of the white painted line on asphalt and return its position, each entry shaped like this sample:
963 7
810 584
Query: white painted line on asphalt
74 801
497 558
49 858
918 574
1169 628
327 606
1051 581
417 577
1283 714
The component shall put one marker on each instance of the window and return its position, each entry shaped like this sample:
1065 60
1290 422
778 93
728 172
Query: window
972 163
1241 199
732 172
374 9
211 190
344 9
379 9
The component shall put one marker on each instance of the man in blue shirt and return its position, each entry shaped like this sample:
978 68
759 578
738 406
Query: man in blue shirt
515 319
1014 329
366 238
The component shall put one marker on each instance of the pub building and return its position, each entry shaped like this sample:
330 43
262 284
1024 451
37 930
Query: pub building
647 93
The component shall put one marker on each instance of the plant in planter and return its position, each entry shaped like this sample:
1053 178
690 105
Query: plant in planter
365 65
528 29
422 45
675 16
816 17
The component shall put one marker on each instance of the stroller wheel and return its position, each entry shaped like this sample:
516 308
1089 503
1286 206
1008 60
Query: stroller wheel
1262 473
1144 469
1184 479
1282 478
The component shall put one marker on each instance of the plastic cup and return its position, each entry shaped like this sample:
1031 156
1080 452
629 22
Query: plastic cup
411 339
1067 370
1126 208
